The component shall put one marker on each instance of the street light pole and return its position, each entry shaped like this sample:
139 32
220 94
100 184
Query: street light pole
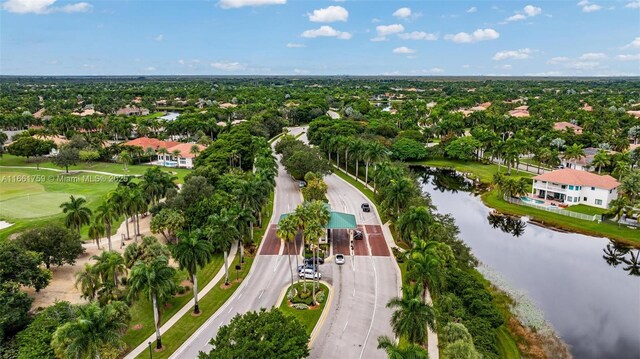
150 351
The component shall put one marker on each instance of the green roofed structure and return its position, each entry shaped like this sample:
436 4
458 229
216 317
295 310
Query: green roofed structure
337 220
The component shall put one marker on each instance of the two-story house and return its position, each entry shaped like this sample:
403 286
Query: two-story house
568 186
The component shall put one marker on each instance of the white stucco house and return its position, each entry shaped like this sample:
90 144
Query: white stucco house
569 186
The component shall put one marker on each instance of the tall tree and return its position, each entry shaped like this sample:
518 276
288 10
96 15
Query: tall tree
192 252
412 316
287 231
396 351
77 213
106 214
222 231
414 222
156 281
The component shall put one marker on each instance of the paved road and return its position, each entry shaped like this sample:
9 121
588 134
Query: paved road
262 287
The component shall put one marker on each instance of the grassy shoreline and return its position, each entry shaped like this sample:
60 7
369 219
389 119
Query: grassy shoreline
484 173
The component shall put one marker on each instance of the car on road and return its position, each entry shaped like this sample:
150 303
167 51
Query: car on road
302 184
309 273
339 259
357 234
306 266
309 261
365 207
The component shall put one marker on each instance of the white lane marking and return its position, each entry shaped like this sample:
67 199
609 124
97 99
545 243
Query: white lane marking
375 305
261 293
345 326
230 309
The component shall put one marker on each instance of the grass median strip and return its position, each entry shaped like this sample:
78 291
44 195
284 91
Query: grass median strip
209 304
308 317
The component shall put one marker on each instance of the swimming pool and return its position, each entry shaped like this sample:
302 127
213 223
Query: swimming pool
531 200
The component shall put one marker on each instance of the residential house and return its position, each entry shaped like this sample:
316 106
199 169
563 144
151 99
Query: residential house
58 140
587 107
584 162
569 187
132 111
520 111
184 159
564 126
634 113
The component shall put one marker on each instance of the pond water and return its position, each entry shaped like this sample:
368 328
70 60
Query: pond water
587 287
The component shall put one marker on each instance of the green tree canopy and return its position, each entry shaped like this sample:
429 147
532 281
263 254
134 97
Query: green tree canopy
56 244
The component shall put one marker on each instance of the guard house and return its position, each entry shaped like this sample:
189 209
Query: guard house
337 220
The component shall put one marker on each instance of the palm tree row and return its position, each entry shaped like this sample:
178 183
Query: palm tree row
356 149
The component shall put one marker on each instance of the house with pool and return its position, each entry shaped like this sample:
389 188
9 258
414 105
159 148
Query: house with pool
568 186
167 153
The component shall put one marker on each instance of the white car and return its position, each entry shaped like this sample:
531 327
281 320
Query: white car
339 258
309 273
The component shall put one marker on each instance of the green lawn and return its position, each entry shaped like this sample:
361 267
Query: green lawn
142 312
583 208
309 318
32 204
209 304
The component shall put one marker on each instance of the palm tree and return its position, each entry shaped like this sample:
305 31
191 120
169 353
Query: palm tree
120 200
150 152
414 222
574 152
398 193
287 231
412 316
95 331
77 213
194 150
374 152
106 214
244 223
192 252
357 148
176 154
427 264
600 160
156 280
618 206
395 351
125 159
88 282
109 264
221 231
96 231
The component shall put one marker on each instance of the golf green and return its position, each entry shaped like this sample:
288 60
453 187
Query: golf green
40 204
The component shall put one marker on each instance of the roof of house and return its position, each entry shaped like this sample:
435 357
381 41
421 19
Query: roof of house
39 113
185 149
560 126
146 142
130 110
58 140
580 178
636 114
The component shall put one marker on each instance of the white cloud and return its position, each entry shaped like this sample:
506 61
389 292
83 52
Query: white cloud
436 70
326 31
633 5
472 9
402 13
150 68
590 56
300 71
159 37
628 57
294 45
403 50
531 10
466 66
384 30
329 14
227 66
478 35
633 44
43 7
379 38
587 6
505 67
520 54
234 4
583 65
527 11
418 35
375 19
558 60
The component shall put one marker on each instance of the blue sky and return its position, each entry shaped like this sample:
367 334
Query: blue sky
289 37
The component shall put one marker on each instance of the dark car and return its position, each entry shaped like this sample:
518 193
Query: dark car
365 207
309 261
357 234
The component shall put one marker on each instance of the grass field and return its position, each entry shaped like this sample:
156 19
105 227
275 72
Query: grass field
583 208
308 318
483 172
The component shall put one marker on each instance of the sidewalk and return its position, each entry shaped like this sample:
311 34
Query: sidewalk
187 308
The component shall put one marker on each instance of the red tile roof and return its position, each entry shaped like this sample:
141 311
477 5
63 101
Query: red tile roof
146 142
579 178
185 149
561 126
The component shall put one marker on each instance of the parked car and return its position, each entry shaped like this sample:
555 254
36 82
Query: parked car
357 234
302 184
339 259
306 266
365 207
309 261
309 274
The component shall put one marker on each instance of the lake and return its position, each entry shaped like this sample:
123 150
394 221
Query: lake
587 287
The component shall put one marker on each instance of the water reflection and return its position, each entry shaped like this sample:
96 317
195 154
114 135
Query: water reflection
508 224
617 253
446 180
